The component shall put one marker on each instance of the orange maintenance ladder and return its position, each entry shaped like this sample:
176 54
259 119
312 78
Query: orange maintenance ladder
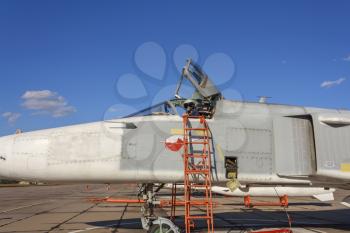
197 171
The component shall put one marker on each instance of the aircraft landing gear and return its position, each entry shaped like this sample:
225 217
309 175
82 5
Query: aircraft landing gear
149 220
163 225
146 193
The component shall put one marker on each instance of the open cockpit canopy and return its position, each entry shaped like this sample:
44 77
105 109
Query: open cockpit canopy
202 102
164 108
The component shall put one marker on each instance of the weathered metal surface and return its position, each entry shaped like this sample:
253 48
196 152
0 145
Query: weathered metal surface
267 140
294 146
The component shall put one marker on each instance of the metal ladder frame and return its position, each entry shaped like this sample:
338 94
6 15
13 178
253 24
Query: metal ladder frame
197 171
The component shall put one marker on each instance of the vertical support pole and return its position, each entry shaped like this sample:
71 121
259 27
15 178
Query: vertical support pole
173 202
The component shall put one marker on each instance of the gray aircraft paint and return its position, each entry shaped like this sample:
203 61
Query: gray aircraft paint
273 144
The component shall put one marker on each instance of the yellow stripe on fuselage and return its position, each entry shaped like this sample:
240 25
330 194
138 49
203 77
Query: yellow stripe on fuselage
175 131
345 167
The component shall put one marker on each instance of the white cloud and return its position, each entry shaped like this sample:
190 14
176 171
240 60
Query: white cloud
329 84
38 94
47 102
11 117
347 58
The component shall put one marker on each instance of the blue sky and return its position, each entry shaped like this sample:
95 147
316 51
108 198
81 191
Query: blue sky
61 62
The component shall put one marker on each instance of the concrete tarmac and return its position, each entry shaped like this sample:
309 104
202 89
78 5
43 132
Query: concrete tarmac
65 208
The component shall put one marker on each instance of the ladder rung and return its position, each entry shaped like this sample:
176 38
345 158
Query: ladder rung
199 217
196 129
197 155
198 168
197 143
200 186
198 171
198 203
188 116
198 137
195 117
199 151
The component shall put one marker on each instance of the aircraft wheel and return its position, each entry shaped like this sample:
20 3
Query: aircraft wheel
163 228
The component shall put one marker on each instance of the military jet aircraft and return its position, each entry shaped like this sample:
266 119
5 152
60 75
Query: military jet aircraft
252 144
